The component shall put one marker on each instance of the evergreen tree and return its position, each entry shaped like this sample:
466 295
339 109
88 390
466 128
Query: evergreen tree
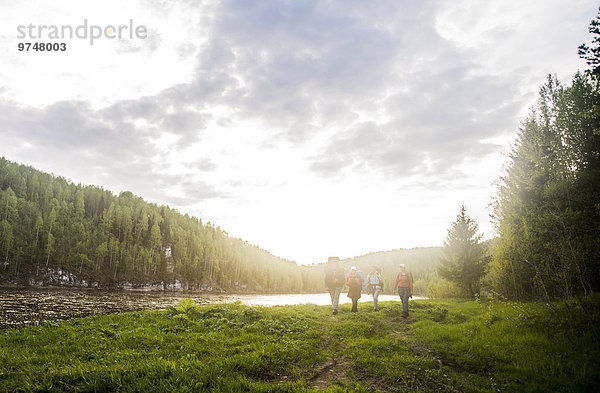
591 53
546 211
462 261
6 240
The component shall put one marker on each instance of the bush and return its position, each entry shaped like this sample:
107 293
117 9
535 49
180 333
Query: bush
443 289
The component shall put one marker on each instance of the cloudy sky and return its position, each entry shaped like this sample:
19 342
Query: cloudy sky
310 128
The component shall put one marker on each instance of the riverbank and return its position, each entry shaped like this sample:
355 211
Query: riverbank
21 307
444 346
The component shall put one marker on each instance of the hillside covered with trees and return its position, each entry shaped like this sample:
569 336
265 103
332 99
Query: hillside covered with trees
89 236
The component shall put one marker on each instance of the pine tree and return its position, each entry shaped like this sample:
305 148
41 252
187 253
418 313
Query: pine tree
546 210
462 261
6 240
591 53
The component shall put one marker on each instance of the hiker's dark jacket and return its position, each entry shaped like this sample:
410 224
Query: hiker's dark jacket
334 279
354 286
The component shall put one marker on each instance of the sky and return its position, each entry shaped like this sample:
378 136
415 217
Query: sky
309 128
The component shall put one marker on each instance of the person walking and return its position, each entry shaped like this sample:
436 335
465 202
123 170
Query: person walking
375 285
354 283
334 282
404 284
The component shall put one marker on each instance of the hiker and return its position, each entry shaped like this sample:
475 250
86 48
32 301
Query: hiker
334 282
354 283
375 285
404 283
362 279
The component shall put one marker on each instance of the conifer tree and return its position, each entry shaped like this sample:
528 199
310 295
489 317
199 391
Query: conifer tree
462 261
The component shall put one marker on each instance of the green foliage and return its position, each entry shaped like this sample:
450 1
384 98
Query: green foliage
185 306
591 53
438 314
443 289
463 259
545 209
47 222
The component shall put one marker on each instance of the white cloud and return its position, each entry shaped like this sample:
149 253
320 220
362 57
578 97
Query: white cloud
108 70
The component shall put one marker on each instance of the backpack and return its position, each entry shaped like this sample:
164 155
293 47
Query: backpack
403 279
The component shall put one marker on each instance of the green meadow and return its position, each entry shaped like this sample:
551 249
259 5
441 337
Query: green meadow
443 346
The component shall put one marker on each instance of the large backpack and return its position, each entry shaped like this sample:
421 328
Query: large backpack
403 279
334 278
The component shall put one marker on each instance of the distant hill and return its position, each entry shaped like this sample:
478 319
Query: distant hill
420 261
55 232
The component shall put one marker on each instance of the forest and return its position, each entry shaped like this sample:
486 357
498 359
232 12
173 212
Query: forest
49 224
547 210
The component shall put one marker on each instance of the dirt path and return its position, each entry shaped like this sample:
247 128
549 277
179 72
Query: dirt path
332 372
340 369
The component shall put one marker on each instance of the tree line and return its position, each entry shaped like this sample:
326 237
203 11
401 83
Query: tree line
47 222
548 206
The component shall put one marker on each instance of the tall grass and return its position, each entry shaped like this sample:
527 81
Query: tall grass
518 346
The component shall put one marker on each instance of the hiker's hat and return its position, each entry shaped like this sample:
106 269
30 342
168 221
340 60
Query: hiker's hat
402 265
353 268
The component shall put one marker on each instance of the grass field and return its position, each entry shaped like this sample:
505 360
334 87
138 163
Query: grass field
444 346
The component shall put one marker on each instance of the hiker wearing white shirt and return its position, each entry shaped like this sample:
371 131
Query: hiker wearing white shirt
375 284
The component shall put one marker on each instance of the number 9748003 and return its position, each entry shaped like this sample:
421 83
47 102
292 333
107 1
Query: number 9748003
42 46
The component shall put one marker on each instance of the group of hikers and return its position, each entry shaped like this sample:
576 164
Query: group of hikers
336 279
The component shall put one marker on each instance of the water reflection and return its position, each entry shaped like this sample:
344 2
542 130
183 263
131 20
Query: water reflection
24 306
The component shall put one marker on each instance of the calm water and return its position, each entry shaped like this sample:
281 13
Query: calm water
23 307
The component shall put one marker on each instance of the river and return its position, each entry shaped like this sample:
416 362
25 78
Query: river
21 307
